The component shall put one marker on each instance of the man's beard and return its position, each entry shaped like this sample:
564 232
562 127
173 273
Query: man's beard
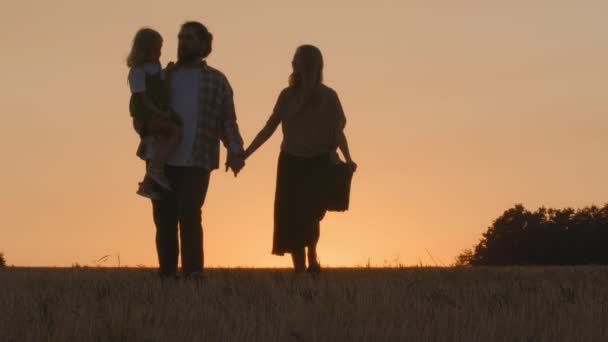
186 56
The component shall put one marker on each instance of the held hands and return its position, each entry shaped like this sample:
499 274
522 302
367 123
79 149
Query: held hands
235 163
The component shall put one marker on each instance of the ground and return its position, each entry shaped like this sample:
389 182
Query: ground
365 304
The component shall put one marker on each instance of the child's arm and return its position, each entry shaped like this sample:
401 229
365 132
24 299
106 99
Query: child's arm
149 105
137 83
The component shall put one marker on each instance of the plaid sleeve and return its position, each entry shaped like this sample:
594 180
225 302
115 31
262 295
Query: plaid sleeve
231 137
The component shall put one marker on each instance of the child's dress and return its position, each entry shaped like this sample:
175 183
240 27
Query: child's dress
148 78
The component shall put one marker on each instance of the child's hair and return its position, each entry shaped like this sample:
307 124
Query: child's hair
145 40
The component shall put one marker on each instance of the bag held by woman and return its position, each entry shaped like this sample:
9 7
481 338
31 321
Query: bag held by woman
339 182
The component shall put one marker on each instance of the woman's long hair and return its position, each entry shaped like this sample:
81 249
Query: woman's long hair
305 81
146 39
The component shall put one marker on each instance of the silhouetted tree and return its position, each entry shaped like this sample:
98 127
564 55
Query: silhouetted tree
2 260
544 237
464 259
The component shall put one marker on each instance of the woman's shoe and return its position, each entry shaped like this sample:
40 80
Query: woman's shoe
314 268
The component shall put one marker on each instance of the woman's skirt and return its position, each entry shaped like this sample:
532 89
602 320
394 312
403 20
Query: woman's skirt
300 201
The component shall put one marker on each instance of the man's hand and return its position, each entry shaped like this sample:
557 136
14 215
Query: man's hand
170 68
236 163
165 115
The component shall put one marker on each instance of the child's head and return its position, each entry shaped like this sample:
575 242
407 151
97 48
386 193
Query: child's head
146 47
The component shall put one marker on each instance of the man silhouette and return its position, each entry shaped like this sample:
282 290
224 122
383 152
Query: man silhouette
203 98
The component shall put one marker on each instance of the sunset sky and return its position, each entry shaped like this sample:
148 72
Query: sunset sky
456 110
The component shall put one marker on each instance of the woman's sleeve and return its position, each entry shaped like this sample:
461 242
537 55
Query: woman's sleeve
339 112
276 116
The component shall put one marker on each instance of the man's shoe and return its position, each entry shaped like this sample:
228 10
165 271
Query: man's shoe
195 275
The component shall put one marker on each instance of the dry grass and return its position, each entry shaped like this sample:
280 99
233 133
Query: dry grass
407 304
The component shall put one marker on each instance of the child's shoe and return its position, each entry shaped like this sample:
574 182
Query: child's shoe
159 178
147 191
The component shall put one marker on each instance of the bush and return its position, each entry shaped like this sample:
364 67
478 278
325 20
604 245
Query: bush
2 260
464 259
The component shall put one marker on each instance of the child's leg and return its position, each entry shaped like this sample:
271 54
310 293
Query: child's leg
167 137
175 137
146 188
164 141
172 138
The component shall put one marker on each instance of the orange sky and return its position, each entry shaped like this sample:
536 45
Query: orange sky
457 111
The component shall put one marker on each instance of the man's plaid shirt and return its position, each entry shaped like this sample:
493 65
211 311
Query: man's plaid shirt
216 120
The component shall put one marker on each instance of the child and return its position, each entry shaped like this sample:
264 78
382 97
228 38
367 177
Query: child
149 107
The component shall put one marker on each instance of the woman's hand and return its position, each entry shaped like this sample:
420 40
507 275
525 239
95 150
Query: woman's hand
247 152
351 164
236 163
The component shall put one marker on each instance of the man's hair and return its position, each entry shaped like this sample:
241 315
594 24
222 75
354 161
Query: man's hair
203 34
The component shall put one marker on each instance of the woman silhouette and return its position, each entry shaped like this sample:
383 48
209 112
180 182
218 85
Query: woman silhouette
312 121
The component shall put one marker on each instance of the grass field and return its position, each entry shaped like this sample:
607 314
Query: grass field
403 304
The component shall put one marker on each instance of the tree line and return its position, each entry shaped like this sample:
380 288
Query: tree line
543 237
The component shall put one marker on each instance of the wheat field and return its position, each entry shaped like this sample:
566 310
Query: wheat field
365 304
